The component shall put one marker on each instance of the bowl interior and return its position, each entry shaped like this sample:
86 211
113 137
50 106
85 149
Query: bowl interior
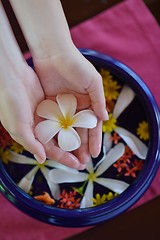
114 180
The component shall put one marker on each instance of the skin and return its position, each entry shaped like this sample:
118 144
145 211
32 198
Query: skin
59 68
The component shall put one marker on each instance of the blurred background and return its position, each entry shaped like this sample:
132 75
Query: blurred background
76 12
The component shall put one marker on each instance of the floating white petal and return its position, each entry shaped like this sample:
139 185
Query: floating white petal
87 199
113 155
63 176
19 158
125 97
89 166
113 184
54 188
60 176
133 142
107 141
26 182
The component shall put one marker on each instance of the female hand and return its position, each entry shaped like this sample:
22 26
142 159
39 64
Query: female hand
20 93
61 68
69 72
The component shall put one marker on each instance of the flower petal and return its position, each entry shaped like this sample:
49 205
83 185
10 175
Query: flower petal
112 156
26 182
52 164
125 98
85 119
107 141
55 164
89 166
67 104
49 109
46 130
68 139
54 188
19 158
113 184
101 160
133 142
63 176
88 195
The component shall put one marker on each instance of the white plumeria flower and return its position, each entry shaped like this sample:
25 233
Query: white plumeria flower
134 143
61 119
93 175
26 182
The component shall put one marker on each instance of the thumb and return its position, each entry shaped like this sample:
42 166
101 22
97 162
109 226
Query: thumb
97 97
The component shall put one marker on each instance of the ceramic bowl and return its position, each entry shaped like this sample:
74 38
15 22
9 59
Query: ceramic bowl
114 181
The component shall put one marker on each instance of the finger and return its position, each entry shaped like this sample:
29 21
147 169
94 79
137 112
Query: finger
55 153
82 152
83 100
96 93
95 140
24 136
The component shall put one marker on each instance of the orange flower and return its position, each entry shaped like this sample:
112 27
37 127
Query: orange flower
45 198
128 152
115 138
69 200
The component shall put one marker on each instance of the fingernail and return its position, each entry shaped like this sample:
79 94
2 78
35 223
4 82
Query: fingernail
49 145
39 159
97 150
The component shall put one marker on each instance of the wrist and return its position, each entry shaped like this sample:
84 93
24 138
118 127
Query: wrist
11 58
44 26
12 72
47 49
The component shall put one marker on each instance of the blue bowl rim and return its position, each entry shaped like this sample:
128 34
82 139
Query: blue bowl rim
104 212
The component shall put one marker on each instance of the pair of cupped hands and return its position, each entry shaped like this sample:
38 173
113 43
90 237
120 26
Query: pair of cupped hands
65 72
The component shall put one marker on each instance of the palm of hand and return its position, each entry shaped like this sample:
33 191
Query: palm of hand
68 73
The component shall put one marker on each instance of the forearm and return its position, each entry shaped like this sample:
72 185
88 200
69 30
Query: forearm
11 59
44 25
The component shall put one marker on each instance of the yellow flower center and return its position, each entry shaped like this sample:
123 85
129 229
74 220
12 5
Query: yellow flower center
66 122
40 165
92 177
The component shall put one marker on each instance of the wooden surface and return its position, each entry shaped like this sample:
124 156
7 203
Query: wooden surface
141 223
76 11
